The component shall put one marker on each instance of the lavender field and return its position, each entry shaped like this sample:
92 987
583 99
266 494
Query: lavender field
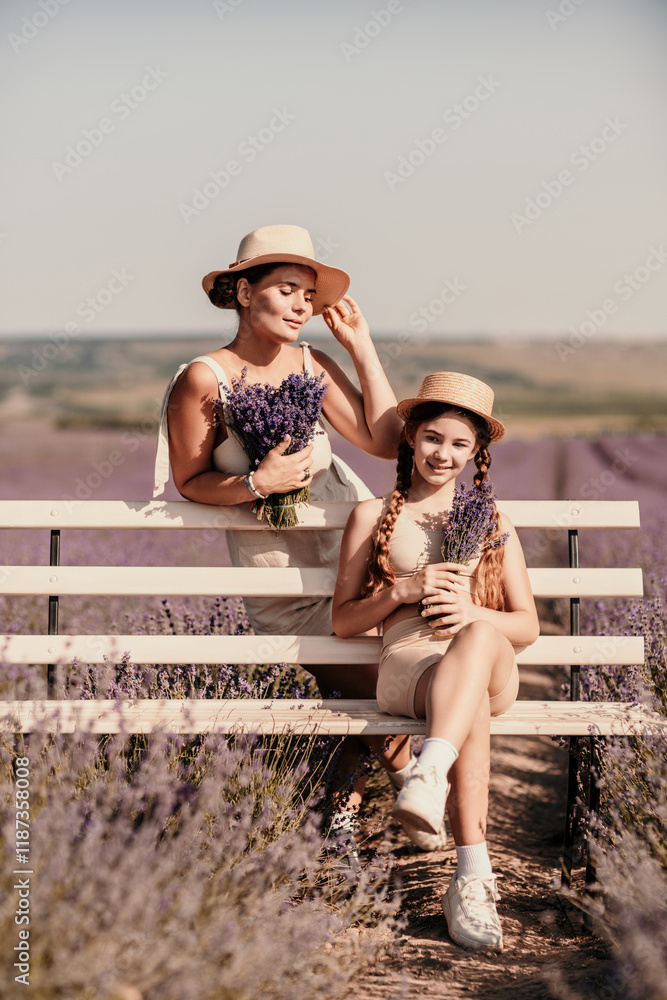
266 836
590 424
39 462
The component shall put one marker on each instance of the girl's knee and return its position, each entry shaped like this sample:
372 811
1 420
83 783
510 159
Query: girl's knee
481 632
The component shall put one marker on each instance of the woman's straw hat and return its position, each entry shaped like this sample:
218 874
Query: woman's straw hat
289 245
458 390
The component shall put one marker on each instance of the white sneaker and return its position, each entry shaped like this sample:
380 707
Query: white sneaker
424 841
421 801
470 911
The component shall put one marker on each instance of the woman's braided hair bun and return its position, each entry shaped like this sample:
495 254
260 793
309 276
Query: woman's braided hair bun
223 292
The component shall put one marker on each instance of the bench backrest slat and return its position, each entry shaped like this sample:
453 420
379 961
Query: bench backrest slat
211 581
32 649
183 514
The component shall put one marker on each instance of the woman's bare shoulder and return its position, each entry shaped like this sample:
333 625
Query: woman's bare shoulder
323 362
199 378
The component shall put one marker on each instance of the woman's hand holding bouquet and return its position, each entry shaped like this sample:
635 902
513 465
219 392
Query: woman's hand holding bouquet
276 425
279 472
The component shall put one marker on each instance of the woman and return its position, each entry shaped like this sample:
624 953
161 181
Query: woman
453 663
276 285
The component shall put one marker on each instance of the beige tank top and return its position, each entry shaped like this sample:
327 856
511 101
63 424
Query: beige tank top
413 546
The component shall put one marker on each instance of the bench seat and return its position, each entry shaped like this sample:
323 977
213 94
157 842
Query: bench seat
336 717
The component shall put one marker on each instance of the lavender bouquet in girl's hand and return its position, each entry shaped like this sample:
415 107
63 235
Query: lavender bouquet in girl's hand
471 525
262 416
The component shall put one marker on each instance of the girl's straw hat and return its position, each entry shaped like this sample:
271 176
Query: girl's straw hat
288 245
458 390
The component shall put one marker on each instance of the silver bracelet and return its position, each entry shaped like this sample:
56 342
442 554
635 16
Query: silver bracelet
252 489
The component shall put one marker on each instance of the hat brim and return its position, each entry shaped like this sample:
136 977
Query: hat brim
406 406
332 282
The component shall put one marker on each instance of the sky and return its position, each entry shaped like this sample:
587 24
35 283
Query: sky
479 167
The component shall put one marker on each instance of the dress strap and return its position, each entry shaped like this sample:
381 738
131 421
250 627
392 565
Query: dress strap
307 358
162 450
216 368
161 474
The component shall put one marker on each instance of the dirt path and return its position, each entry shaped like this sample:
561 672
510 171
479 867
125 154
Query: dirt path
542 932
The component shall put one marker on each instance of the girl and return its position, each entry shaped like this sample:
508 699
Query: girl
276 285
454 665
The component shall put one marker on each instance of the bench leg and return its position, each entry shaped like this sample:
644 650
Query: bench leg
593 801
54 605
575 745
570 812
577 758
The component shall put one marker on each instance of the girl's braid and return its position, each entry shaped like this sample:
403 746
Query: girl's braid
489 574
483 462
380 571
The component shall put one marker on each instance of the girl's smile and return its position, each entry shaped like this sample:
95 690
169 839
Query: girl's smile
443 447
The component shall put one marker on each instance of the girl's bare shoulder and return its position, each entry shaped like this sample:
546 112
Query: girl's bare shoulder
504 522
367 514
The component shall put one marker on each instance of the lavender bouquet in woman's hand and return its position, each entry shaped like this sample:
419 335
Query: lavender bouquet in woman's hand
471 525
262 416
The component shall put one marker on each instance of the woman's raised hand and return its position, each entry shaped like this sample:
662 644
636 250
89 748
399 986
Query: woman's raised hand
348 325
280 473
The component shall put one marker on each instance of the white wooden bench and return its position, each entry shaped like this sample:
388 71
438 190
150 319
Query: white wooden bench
558 718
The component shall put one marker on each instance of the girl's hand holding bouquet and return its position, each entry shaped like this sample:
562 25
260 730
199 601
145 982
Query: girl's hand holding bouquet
472 527
431 581
448 610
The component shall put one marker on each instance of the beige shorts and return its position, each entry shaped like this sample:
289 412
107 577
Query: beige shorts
408 650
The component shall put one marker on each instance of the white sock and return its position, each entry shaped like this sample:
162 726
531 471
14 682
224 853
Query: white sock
473 860
439 754
342 822
397 778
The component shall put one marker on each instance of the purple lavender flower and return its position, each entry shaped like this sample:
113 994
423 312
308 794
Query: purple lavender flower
262 416
471 523
470 526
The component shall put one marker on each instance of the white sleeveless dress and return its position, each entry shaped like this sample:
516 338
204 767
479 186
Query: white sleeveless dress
331 480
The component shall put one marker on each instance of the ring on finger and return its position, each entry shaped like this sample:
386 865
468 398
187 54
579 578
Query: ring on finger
306 474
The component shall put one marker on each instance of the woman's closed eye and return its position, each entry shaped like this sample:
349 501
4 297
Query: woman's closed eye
290 291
